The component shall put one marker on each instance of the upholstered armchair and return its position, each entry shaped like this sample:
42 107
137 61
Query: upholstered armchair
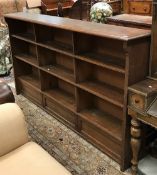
6 95
18 155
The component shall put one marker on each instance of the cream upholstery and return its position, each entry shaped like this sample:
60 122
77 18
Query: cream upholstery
17 155
13 131
31 158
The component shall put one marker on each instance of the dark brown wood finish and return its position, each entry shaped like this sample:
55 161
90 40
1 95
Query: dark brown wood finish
79 9
107 31
56 8
80 72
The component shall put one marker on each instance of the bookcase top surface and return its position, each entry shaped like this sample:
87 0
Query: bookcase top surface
103 30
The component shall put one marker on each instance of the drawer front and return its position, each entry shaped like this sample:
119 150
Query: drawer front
101 139
140 102
62 113
31 93
140 7
137 101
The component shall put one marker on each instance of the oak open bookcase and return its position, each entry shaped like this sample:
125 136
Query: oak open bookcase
80 71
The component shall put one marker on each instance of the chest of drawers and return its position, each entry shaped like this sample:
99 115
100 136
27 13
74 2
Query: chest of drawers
139 7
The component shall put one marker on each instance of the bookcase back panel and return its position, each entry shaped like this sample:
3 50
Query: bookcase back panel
87 100
23 47
47 81
46 56
98 46
24 51
50 82
106 107
86 71
57 38
51 58
35 73
48 33
60 112
23 68
104 76
63 36
84 100
65 61
101 140
27 74
22 28
66 87
28 91
83 71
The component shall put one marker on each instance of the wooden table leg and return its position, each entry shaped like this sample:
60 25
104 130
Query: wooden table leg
135 143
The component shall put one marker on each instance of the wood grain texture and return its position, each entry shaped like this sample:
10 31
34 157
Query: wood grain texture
135 143
130 20
108 31
138 7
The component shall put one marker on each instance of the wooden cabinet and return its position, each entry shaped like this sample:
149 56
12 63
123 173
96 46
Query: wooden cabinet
52 7
80 72
116 6
142 109
131 20
142 94
140 7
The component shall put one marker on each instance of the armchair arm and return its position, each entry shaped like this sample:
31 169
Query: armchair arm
13 131
6 95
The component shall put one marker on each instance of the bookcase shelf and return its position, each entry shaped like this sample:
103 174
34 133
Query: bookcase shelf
59 71
91 108
86 72
62 97
23 39
79 72
104 122
99 48
63 112
103 91
56 63
55 38
101 61
57 45
32 81
24 47
101 139
55 49
28 73
28 36
25 51
27 58
22 29
58 90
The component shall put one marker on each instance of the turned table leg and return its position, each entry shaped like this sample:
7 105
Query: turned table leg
135 143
